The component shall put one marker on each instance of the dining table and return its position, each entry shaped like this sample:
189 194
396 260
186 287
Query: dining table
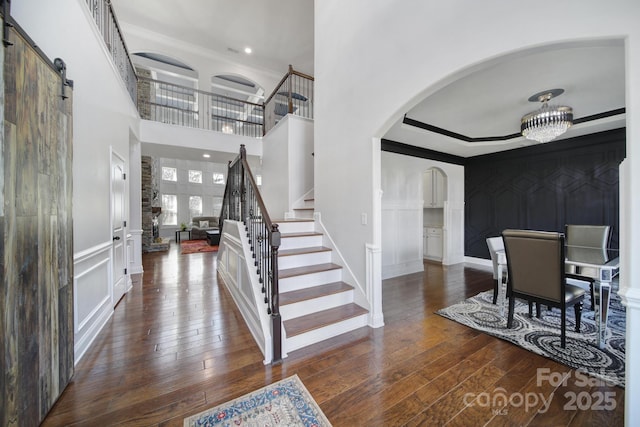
599 265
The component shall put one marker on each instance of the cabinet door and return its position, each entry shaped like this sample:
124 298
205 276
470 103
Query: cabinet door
424 242
428 188
438 189
434 243
433 190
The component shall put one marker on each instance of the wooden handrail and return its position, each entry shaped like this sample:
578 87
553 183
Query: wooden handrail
284 79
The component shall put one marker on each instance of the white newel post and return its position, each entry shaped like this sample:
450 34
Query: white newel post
374 285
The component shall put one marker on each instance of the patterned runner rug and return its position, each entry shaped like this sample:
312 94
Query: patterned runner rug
542 336
284 403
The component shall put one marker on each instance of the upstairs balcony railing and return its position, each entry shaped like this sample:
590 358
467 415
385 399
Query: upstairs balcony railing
107 24
186 106
181 105
293 95
243 202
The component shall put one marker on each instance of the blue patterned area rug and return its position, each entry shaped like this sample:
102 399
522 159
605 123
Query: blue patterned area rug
542 336
284 403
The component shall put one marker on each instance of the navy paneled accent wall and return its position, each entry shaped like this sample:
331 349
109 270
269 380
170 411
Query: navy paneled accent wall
544 187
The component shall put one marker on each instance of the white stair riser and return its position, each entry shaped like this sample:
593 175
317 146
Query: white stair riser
303 213
326 302
292 261
326 332
308 280
296 227
301 242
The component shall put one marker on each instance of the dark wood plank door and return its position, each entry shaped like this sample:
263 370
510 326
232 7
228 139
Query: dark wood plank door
36 259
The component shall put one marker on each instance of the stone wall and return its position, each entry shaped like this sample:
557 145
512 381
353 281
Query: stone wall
147 201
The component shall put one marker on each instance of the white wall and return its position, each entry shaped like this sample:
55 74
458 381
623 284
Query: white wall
375 59
180 136
402 213
104 117
287 164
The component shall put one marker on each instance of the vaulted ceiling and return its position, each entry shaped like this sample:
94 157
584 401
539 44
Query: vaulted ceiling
485 102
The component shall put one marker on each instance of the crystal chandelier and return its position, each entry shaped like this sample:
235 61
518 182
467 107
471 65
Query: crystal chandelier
548 122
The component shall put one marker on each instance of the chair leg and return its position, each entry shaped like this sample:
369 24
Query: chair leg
510 315
530 309
563 325
593 306
538 311
578 310
496 283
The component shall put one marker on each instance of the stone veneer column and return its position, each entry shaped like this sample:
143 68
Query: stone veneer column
147 198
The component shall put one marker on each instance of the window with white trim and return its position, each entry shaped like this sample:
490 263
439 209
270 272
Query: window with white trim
169 209
218 178
169 174
195 177
195 206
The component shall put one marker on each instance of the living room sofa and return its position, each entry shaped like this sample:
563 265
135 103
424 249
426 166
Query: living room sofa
199 232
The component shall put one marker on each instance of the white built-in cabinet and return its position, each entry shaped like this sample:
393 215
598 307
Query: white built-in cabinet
433 243
433 188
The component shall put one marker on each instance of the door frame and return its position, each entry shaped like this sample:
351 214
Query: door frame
126 278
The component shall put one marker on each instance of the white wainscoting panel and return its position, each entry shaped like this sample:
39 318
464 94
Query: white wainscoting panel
91 295
401 238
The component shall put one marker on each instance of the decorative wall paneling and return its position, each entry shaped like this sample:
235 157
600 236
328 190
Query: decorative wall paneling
402 254
36 269
544 187
92 277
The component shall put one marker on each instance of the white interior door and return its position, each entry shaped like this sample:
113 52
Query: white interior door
118 206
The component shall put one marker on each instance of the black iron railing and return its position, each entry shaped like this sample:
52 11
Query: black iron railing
187 106
107 23
242 202
293 95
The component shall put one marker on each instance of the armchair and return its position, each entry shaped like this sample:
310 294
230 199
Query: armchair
590 236
535 260
495 244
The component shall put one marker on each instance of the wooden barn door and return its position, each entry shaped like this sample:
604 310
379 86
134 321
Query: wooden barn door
36 259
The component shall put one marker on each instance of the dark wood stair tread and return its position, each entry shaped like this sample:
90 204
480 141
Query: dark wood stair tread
301 251
313 292
301 234
309 322
308 269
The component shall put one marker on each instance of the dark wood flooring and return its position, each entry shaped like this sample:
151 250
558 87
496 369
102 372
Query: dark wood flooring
177 345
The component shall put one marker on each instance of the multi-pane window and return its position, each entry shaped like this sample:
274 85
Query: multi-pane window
258 179
195 177
218 178
169 209
169 174
195 206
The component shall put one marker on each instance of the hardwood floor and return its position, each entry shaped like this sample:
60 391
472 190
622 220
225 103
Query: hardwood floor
177 345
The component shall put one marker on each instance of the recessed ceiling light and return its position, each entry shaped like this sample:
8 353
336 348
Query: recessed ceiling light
206 156
247 50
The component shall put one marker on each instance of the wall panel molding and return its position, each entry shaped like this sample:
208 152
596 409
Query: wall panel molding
544 187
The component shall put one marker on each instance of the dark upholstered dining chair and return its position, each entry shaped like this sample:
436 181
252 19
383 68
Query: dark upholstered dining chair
588 236
535 260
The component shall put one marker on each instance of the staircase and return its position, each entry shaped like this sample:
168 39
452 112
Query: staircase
315 304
